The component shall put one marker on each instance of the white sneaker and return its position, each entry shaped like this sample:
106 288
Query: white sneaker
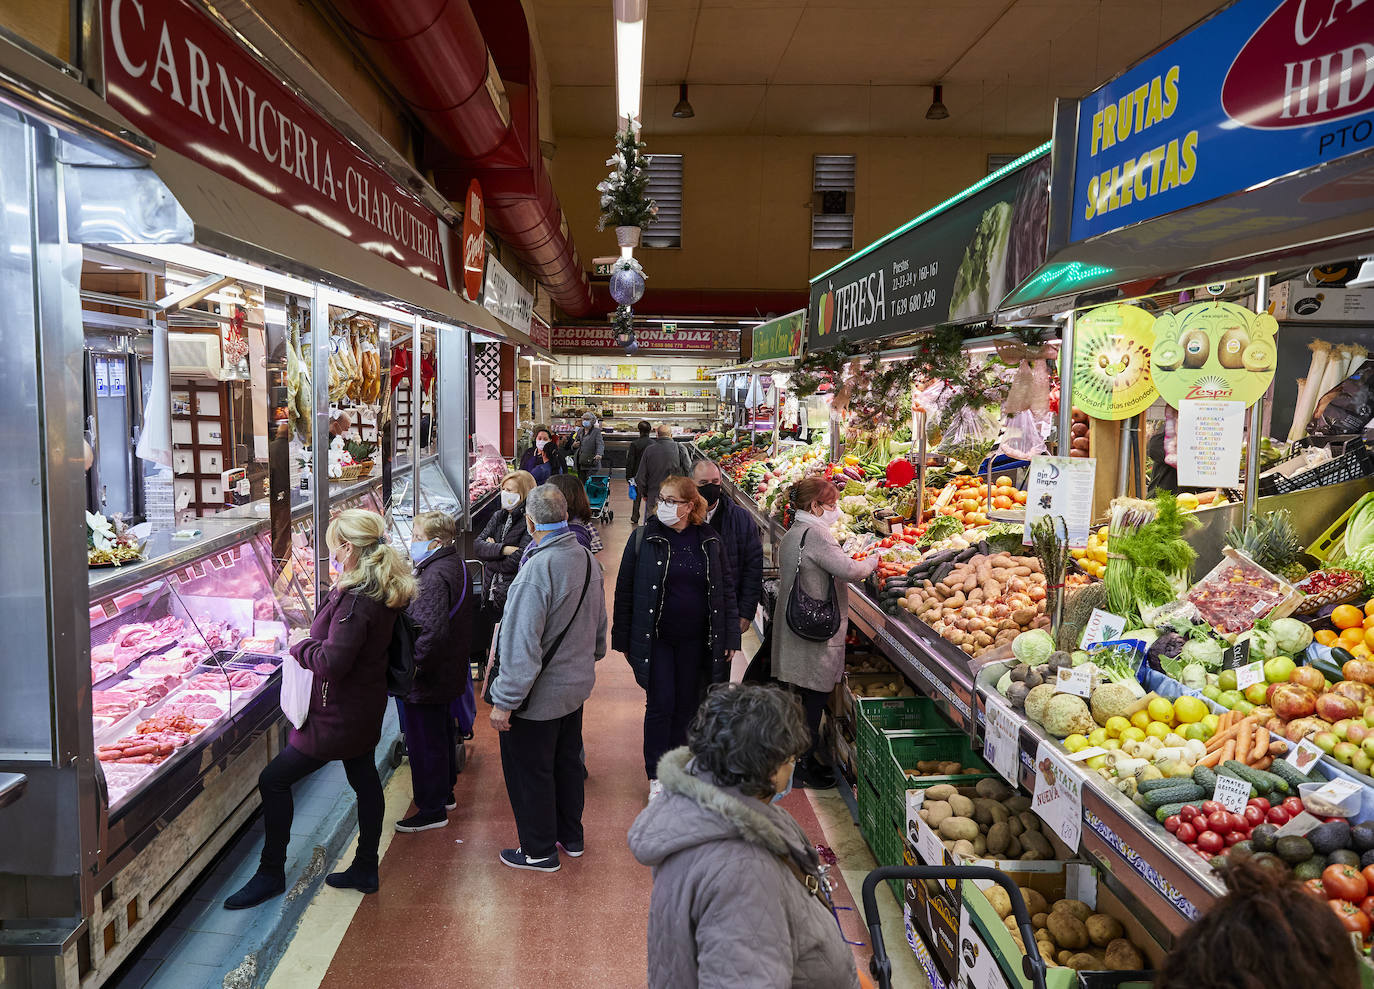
655 788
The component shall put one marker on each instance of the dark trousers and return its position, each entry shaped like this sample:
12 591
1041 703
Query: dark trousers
813 702
292 765
542 764
635 512
679 673
483 625
431 741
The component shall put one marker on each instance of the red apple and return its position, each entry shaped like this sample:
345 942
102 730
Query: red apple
1258 693
1269 692
1292 701
1308 677
1336 707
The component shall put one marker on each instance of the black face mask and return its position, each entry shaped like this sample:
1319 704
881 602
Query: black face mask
711 492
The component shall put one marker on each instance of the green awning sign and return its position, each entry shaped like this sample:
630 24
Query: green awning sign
781 337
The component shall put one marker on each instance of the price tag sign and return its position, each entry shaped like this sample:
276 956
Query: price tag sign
1083 755
1074 680
1103 626
1058 797
1304 756
1249 674
1232 794
1001 741
1299 825
1337 791
929 846
1234 657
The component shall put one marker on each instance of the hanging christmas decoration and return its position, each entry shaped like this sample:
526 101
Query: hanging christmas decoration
623 325
624 202
627 281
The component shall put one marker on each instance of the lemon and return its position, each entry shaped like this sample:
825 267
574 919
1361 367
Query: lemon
1157 729
1097 736
1075 742
1210 722
1097 762
1111 744
1133 734
1116 725
1141 719
1189 710
1102 533
1161 710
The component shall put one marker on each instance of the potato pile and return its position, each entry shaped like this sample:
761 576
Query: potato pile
896 687
866 663
936 767
989 820
1069 934
983 602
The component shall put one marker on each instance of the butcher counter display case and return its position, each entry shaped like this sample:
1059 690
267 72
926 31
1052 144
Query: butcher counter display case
184 652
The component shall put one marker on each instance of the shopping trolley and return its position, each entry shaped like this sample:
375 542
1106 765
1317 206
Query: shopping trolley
597 484
881 966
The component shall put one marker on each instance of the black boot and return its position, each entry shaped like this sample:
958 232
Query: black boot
265 884
357 876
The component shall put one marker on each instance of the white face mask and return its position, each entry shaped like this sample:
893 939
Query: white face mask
830 516
539 444
509 499
667 514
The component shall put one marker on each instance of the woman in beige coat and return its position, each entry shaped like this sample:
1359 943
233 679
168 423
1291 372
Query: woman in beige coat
813 668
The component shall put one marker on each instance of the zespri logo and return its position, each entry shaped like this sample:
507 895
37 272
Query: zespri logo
853 306
1310 62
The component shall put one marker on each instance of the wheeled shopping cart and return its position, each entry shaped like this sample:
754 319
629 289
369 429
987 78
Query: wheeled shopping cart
881 966
597 484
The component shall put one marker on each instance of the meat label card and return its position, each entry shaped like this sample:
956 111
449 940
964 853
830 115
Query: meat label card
1058 797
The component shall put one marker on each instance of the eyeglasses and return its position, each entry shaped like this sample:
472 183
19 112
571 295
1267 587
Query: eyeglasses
673 501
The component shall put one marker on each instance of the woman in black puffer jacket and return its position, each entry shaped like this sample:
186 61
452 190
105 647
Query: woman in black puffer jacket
675 615
500 546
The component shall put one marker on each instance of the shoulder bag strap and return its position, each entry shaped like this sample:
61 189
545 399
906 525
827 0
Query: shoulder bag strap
813 885
464 596
586 581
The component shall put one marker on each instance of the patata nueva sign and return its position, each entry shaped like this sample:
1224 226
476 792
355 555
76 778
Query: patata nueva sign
189 86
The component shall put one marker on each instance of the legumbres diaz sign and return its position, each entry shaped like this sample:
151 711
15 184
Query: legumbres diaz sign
190 87
1261 89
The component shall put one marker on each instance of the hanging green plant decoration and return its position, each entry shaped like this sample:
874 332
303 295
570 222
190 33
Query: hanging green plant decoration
624 199
821 367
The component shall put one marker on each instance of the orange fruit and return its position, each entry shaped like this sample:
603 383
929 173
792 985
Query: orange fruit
1352 637
1369 621
1369 637
1326 637
1361 651
1369 607
1347 616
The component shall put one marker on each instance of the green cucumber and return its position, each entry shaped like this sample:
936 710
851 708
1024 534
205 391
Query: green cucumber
1341 656
1285 770
1146 786
1167 811
1184 791
1204 777
1262 782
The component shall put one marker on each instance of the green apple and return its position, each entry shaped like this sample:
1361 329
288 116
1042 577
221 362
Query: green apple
1345 752
1230 698
1342 729
1227 680
1326 741
1255 693
1361 762
1368 745
1279 669
1212 692
1243 707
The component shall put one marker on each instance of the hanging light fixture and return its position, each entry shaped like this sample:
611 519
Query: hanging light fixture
683 110
629 60
938 110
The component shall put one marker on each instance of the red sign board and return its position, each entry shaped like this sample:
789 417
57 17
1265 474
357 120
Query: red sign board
188 85
540 334
602 338
474 242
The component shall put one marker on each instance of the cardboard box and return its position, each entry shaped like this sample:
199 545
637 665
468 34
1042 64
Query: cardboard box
985 941
932 915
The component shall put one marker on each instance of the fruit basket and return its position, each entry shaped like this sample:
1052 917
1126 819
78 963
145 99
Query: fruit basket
1328 587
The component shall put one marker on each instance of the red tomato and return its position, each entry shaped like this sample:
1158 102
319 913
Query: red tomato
1188 812
1238 823
1209 842
1218 821
1367 905
1235 837
1261 803
1315 887
1210 807
1171 824
1368 872
1187 833
1344 882
1254 815
1293 805
1352 918
1277 815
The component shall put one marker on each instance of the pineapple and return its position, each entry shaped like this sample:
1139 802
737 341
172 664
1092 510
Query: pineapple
1272 542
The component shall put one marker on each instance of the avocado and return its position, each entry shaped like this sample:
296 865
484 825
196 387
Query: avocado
1310 869
1270 861
1264 836
1294 849
1343 856
1241 850
1326 838
1367 859
1362 836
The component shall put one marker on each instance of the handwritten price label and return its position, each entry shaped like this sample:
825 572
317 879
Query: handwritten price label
1250 674
1232 794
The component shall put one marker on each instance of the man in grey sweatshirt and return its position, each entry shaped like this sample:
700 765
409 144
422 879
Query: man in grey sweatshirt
552 633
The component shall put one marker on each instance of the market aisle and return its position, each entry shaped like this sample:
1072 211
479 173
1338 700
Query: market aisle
448 914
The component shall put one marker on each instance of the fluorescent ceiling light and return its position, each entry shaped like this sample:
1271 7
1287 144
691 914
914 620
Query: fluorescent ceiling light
201 260
629 60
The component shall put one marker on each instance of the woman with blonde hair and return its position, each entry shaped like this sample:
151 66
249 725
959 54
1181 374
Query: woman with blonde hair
500 546
675 568
347 653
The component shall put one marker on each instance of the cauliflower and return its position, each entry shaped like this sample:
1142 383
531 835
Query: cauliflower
1067 714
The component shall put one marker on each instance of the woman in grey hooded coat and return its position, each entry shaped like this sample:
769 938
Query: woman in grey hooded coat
738 898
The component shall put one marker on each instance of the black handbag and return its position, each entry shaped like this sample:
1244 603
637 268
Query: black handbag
807 617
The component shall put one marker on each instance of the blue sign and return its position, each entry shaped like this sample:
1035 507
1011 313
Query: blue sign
1260 90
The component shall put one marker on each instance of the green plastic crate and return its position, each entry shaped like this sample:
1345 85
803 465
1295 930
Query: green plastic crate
906 749
900 713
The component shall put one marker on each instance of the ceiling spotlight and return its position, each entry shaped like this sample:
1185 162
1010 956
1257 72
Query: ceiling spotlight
683 110
938 110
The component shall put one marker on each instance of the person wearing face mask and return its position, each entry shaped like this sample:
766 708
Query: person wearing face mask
661 459
809 553
588 445
542 459
442 609
499 546
637 448
726 858
675 617
740 535
346 651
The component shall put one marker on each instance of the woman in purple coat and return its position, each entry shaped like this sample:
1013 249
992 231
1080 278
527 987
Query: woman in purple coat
347 652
